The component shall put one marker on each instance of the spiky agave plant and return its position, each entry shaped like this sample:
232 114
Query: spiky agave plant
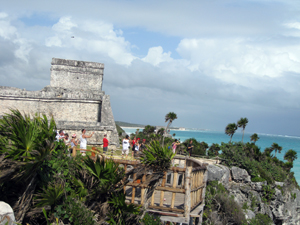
156 157
27 144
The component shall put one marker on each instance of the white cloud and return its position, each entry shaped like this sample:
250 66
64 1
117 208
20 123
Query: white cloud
237 60
92 36
7 31
156 56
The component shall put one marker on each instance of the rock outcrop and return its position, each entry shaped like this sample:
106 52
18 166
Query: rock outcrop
6 214
281 202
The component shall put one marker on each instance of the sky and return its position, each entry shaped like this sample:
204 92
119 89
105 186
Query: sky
211 62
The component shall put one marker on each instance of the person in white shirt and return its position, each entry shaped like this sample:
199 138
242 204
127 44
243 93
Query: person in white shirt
60 135
83 141
136 148
125 144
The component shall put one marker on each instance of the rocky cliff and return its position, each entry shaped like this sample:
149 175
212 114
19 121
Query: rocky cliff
280 201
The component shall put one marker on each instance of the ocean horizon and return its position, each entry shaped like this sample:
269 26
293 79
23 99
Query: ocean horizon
265 140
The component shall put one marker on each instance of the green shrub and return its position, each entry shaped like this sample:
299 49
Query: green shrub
267 193
257 179
74 212
219 202
150 219
260 219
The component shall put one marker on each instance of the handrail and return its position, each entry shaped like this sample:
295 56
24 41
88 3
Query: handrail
184 182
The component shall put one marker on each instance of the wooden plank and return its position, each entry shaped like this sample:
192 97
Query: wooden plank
143 190
166 214
187 197
169 189
175 181
152 199
178 169
133 189
166 209
197 188
162 192
125 168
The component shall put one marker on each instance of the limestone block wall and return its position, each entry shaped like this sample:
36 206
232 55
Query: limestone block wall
75 99
76 74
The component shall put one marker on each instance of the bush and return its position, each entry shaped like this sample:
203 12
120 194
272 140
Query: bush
199 148
257 179
260 219
221 207
150 219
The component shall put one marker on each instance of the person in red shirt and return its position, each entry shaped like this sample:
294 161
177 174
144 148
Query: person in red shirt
133 145
105 143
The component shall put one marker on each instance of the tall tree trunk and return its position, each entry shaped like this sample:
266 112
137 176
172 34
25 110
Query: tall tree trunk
163 142
243 136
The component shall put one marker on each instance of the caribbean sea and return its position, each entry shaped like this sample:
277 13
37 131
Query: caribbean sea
264 141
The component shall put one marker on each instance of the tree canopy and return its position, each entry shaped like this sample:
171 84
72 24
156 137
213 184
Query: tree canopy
230 130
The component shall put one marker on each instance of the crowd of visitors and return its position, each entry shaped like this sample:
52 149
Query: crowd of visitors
71 143
136 145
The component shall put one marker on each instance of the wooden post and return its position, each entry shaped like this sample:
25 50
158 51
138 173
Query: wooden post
162 192
152 199
133 189
187 186
74 151
125 168
143 190
175 181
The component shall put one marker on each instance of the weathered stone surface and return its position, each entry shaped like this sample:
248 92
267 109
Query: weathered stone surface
219 173
257 186
6 214
239 174
249 214
279 183
75 99
284 207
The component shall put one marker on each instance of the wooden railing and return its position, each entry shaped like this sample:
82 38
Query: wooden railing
180 191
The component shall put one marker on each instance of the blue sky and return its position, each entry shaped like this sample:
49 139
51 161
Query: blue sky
211 62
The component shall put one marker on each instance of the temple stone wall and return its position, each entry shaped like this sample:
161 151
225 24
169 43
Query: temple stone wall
76 74
75 99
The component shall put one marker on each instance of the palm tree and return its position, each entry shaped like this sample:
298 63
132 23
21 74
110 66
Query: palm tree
161 131
170 117
290 155
276 148
230 130
254 137
242 123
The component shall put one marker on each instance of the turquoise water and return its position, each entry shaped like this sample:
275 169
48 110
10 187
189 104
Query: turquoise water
265 140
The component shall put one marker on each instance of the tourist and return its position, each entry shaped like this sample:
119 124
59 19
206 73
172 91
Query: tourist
190 147
125 145
67 140
136 148
105 143
83 141
74 142
174 145
60 135
143 145
133 145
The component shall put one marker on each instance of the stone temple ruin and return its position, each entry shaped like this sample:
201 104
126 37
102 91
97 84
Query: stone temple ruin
74 98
